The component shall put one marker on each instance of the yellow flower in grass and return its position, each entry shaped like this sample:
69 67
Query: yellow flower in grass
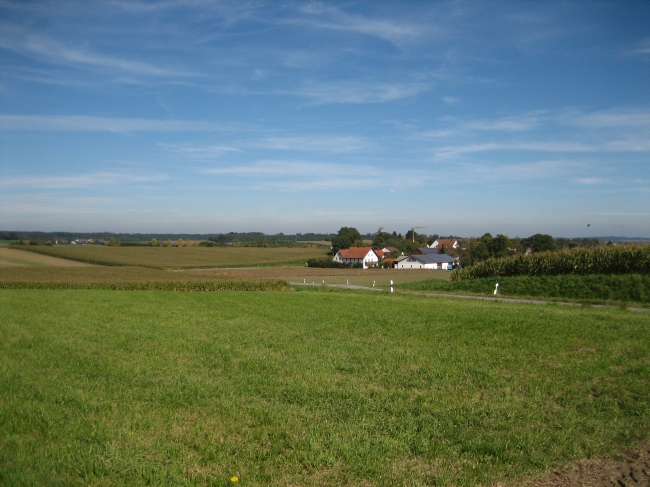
234 479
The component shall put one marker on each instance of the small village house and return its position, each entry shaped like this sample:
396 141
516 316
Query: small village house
365 256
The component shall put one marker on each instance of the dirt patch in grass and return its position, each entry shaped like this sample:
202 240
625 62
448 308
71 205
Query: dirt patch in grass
632 470
15 257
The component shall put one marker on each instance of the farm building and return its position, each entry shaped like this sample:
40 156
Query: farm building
431 261
444 243
357 255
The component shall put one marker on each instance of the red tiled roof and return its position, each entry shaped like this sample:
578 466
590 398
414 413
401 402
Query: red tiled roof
380 253
355 252
446 243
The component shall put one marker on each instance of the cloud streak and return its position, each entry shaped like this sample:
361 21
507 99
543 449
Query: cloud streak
302 175
83 123
334 143
79 181
358 92
321 16
52 51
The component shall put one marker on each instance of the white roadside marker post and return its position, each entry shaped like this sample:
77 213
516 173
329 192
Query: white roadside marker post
373 283
496 289
391 286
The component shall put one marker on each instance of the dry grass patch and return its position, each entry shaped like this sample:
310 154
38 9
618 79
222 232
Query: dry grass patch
15 257
180 257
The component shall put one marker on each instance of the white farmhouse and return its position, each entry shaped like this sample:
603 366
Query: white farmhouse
357 255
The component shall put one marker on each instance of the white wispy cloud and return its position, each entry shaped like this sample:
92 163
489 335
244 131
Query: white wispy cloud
457 150
514 172
201 153
325 16
304 175
643 49
79 181
505 124
358 91
83 123
50 50
592 180
617 117
321 143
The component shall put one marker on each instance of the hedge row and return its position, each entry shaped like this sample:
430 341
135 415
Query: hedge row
189 286
625 259
331 264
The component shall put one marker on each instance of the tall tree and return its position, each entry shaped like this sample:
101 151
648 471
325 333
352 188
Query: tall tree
498 246
346 238
540 242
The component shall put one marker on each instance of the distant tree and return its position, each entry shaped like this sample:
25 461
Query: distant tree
540 243
168 243
385 239
154 242
346 238
498 246
113 242
37 241
443 250
180 243
188 243
478 251
432 238
409 246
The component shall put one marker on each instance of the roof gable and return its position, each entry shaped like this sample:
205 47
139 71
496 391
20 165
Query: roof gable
355 252
425 251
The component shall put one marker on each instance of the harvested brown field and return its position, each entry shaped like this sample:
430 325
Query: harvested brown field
13 257
180 258
101 274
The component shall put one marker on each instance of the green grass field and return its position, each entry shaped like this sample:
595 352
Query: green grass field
180 258
310 388
627 288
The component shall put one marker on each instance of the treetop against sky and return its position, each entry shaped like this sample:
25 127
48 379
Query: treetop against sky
209 117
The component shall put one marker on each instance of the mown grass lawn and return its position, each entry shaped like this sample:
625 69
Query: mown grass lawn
310 388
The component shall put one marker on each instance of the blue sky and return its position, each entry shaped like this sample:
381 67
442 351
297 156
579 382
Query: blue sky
193 116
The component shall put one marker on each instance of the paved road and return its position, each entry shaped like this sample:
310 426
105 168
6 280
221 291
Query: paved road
463 296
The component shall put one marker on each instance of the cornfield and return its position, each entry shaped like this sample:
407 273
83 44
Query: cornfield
189 286
627 259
